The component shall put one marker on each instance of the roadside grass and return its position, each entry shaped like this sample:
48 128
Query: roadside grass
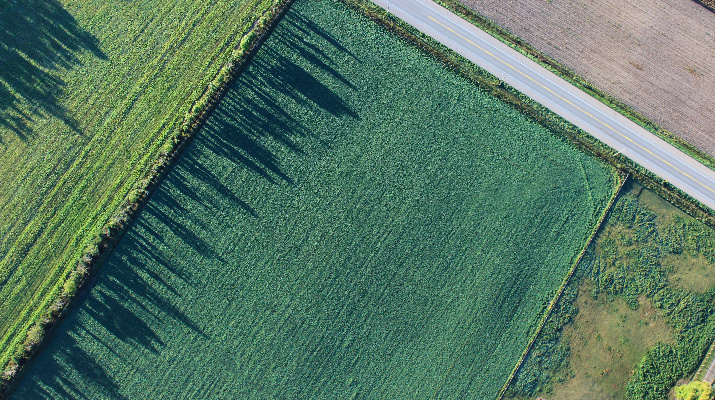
709 4
554 66
534 110
354 220
90 91
639 292
705 364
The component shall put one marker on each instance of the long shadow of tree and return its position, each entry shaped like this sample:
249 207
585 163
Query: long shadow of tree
38 38
136 289
250 114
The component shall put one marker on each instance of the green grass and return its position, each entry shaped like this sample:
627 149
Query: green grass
657 261
556 67
89 92
354 221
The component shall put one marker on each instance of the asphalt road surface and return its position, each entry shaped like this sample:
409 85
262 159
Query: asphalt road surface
710 373
608 126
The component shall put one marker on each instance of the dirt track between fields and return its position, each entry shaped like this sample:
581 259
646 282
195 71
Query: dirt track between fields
658 56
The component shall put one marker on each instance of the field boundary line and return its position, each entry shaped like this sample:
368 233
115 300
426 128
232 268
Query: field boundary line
673 195
560 127
564 284
556 67
528 106
79 281
705 363
710 6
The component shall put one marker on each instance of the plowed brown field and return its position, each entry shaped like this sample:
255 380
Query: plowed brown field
709 3
658 56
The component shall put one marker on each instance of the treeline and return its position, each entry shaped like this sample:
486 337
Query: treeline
630 266
101 244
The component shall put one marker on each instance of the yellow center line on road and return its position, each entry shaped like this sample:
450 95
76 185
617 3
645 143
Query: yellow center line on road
575 106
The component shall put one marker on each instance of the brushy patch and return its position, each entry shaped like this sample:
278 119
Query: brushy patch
642 259
353 220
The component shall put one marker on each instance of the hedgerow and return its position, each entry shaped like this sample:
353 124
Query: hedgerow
353 217
99 246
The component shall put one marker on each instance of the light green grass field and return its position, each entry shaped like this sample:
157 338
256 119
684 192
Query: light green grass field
354 221
89 91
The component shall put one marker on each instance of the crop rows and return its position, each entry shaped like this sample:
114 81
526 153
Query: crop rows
353 220
89 93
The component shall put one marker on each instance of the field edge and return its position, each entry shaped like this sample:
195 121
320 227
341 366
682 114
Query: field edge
564 284
570 76
23 349
534 110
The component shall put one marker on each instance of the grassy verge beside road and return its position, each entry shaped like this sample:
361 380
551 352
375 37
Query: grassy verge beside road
710 4
705 364
534 110
329 232
554 66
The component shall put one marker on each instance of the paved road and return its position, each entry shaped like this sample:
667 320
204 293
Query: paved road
558 95
710 373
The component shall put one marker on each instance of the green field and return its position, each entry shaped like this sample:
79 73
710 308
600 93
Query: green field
640 314
89 91
354 221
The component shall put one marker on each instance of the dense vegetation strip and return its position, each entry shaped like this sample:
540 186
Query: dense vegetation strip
353 220
534 110
535 336
102 244
90 92
648 255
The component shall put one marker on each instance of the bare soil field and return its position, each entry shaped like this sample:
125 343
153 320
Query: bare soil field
657 56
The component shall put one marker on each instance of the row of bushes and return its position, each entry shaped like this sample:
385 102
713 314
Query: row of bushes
102 243
528 106
550 353
582 139
568 132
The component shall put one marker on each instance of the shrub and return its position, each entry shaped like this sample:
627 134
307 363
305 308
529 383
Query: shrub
696 390
224 75
70 287
34 336
247 41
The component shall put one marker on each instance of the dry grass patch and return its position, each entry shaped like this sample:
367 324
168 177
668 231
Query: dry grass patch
607 339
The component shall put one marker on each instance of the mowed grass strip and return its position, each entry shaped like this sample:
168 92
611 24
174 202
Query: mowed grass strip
89 91
354 221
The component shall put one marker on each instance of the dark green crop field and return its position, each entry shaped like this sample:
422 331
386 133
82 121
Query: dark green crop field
89 92
354 221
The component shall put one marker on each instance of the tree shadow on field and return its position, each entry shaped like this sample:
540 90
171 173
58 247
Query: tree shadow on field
258 114
65 360
132 294
38 39
140 286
